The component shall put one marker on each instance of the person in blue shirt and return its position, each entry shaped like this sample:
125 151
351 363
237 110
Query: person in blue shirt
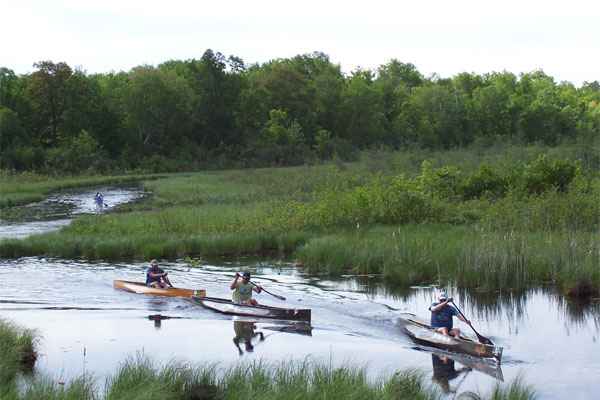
99 200
442 314
156 277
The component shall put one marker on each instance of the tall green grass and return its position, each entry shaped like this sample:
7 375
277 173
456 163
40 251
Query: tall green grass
17 351
140 378
390 213
466 257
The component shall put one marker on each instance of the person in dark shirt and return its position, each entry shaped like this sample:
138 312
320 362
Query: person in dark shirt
156 277
441 316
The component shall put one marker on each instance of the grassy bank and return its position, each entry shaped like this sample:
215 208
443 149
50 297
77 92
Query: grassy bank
488 218
17 351
458 255
140 379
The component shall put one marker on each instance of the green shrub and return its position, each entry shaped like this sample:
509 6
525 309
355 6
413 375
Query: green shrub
544 174
485 182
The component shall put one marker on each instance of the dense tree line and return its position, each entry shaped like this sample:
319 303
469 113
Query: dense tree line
216 111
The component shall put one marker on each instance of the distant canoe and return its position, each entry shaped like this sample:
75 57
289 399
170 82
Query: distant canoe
225 306
421 333
141 288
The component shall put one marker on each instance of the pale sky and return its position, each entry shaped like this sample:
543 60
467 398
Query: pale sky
444 37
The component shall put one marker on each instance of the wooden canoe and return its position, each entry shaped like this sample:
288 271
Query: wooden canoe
141 288
225 306
421 333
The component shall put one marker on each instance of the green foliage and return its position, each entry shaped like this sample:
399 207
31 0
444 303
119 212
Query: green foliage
485 182
544 174
216 112
332 215
17 347
77 154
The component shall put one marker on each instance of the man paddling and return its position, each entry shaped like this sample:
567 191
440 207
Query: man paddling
441 316
156 277
242 289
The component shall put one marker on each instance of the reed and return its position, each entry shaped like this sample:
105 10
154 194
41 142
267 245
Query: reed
515 390
17 351
461 256
140 378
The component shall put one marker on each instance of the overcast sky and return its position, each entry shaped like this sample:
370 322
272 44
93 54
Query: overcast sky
444 37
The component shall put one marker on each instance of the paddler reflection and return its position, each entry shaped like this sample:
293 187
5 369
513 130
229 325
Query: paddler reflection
245 332
444 371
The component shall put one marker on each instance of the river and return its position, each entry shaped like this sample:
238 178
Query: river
87 326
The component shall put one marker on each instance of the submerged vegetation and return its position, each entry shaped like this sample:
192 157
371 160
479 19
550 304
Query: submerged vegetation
495 219
139 378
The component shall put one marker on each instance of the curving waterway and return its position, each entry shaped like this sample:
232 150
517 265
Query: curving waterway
88 326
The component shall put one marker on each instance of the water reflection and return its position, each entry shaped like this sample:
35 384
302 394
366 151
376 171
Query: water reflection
245 333
157 318
74 304
444 371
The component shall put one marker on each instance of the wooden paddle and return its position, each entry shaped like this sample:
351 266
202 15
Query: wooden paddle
481 338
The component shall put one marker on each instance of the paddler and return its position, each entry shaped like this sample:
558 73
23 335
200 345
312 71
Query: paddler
156 277
243 288
441 316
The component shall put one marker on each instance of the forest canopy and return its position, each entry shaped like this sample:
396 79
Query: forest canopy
217 112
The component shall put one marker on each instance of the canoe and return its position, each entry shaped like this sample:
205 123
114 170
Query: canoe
421 333
141 288
225 306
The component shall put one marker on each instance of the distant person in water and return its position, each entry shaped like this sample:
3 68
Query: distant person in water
99 200
156 277
441 316
242 289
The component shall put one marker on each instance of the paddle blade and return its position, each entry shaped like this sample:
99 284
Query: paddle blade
485 340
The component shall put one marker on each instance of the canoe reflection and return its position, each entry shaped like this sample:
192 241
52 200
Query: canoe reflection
249 333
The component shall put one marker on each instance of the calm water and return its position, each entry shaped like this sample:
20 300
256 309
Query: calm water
552 343
59 209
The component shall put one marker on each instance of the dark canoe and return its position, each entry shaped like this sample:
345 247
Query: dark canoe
421 333
141 288
225 306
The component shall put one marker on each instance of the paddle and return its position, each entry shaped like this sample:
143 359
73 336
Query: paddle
481 338
265 290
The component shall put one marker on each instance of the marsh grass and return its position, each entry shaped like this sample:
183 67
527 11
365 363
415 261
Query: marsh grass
140 378
416 254
17 351
516 390
18 189
361 217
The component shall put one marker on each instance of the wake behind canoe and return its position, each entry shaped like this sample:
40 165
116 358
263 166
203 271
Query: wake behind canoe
225 306
141 288
421 333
